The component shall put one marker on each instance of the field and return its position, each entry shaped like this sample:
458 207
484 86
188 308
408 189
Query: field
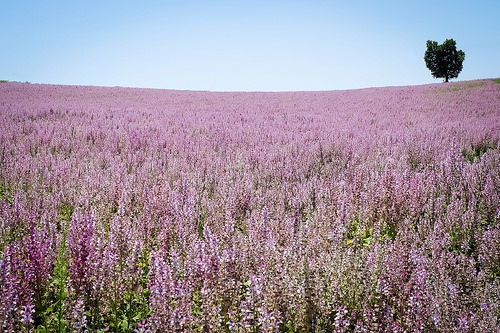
367 210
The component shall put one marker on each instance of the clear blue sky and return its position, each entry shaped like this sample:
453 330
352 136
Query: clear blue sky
235 45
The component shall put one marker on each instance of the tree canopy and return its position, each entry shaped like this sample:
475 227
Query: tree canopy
444 60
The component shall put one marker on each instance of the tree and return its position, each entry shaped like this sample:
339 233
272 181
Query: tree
444 61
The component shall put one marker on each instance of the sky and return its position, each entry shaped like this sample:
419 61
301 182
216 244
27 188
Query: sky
268 45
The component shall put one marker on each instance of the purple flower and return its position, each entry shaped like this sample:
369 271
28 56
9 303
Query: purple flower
81 250
27 314
142 327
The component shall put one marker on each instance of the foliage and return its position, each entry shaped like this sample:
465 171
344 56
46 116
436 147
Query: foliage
443 60
478 149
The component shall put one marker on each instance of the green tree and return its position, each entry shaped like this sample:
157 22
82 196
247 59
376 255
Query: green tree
443 60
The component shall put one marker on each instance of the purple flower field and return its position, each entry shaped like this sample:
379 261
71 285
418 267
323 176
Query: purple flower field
142 210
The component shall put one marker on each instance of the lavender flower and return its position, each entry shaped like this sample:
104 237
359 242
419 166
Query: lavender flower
81 251
363 210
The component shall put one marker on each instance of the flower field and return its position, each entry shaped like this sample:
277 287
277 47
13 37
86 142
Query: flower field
142 210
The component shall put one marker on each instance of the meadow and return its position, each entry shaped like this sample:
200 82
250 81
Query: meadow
142 210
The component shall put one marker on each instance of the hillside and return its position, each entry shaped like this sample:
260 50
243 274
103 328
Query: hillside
374 209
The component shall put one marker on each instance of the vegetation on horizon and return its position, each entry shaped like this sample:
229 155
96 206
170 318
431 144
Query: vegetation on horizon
443 60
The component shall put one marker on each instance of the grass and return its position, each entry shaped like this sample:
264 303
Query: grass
467 85
496 80
475 84
457 86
